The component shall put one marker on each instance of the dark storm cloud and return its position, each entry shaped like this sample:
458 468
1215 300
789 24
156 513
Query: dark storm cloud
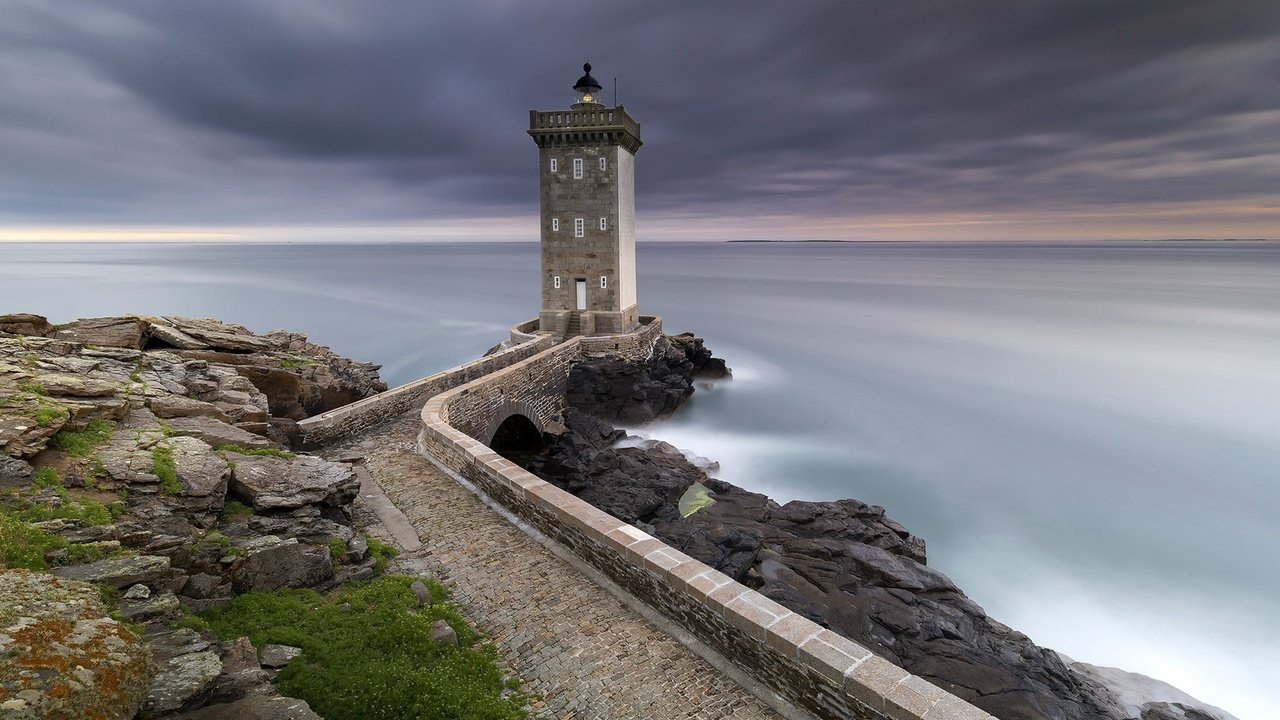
244 111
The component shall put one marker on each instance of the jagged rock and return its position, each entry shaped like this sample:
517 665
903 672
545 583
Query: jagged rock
220 335
421 592
181 681
76 386
60 657
137 592
442 633
24 432
24 324
201 471
255 706
155 606
119 571
121 332
14 472
271 563
177 406
201 586
277 656
270 483
241 673
1147 698
174 337
218 433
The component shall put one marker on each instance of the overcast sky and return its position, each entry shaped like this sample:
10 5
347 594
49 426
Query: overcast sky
929 119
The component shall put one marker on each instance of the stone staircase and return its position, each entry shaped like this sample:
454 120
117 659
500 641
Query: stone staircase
574 327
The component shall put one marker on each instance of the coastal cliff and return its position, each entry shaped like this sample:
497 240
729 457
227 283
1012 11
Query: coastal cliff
845 564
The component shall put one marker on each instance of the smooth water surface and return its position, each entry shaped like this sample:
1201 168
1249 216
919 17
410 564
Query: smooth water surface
1088 436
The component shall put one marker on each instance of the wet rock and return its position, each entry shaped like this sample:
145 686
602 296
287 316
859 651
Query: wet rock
121 332
278 656
271 563
270 483
119 571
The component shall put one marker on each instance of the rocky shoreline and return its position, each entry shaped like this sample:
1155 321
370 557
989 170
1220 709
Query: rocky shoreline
148 461
845 564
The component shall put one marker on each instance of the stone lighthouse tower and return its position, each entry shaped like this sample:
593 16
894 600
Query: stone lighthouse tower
586 161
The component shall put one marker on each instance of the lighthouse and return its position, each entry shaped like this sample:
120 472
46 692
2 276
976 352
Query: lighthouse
586 171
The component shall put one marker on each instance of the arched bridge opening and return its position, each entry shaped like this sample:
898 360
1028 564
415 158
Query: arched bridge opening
518 439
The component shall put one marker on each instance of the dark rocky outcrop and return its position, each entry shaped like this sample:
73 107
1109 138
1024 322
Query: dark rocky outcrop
844 564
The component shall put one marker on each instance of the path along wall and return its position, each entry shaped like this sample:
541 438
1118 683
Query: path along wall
823 672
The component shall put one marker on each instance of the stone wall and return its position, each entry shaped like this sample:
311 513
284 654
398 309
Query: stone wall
356 417
823 672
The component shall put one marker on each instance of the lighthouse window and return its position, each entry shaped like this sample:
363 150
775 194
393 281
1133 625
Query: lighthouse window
555 165
577 168
604 281
579 227
557 281
555 224
604 224
604 164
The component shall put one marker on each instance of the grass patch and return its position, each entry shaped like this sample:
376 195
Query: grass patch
46 415
382 554
34 388
377 661
84 442
337 548
262 452
46 477
295 362
87 512
234 510
162 466
24 546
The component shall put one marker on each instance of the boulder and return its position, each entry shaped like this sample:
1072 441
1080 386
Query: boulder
217 433
63 658
241 673
119 572
173 337
421 592
270 562
121 332
443 634
201 471
255 706
24 324
278 656
272 483
181 681
14 472
219 335
177 406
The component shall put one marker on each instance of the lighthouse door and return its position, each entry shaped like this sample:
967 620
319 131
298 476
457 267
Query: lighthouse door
582 294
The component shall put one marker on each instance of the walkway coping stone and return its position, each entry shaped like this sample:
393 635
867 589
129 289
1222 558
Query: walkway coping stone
642 548
951 707
912 698
688 569
619 538
725 594
663 560
789 633
871 681
750 613
833 657
701 586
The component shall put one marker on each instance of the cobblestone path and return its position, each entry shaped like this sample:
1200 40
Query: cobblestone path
588 655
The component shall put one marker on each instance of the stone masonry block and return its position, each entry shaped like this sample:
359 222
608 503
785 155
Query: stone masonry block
912 698
788 634
950 707
701 586
831 655
619 539
750 613
871 681
663 560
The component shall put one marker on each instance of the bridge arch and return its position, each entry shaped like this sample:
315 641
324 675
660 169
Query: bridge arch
515 431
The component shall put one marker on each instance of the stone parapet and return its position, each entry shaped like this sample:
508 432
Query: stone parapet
825 673
351 419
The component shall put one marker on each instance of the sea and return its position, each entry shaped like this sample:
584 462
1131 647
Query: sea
1087 435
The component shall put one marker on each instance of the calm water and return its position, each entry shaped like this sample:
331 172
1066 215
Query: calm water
1088 436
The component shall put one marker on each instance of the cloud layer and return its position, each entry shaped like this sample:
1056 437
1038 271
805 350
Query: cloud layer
841 119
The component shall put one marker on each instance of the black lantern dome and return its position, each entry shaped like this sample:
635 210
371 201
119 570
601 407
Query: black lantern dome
587 87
